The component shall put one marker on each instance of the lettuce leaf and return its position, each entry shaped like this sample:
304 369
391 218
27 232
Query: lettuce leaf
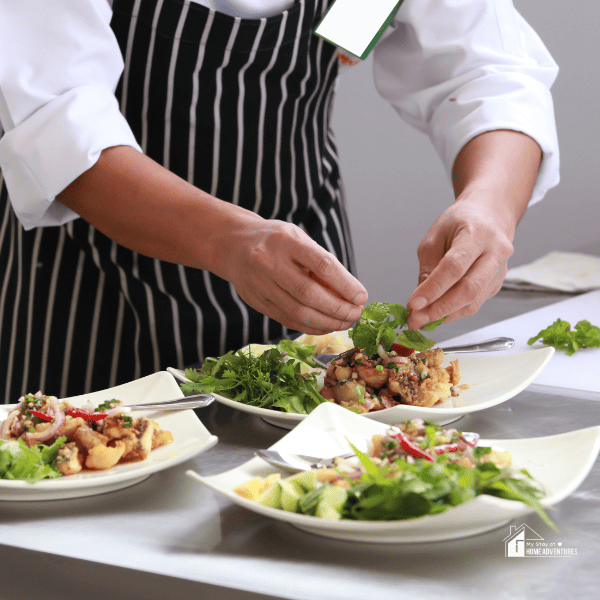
19 461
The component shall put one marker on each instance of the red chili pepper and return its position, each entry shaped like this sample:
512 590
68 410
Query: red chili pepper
41 415
401 350
411 448
78 412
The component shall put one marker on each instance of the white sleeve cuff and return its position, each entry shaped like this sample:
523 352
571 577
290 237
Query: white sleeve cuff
56 144
495 101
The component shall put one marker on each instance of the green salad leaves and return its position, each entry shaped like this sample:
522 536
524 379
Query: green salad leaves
277 378
378 324
407 490
562 337
28 463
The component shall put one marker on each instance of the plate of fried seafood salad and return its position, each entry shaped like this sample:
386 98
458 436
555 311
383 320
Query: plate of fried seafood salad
86 445
385 372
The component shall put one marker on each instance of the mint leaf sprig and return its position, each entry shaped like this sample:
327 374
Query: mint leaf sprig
562 337
378 324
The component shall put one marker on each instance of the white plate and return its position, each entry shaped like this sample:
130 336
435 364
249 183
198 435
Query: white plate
492 379
559 463
190 438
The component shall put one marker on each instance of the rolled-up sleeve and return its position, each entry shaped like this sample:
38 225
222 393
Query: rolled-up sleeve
59 67
457 68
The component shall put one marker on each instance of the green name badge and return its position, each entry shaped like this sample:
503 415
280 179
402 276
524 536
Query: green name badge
356 25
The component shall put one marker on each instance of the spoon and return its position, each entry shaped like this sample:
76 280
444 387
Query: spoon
297 462
195 401
498 343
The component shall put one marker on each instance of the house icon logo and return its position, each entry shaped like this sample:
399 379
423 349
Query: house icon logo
518 539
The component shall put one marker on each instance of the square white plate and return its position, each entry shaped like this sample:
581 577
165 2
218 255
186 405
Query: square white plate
559 463
190 438
492 379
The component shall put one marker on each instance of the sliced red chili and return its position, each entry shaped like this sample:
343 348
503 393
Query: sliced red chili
411 448
401 350
78 412
41 415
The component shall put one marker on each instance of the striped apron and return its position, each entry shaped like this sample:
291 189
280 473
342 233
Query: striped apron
238 107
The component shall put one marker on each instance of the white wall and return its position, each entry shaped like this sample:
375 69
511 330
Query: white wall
396 185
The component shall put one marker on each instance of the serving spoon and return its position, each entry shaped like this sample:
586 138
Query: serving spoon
194 401
494 344
298 462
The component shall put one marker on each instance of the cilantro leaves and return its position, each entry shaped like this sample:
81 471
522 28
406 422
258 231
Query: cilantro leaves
378 323
562 337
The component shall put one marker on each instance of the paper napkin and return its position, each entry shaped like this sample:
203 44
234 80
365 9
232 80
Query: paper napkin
557 271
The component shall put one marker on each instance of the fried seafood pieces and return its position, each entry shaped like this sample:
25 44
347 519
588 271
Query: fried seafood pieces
367 384
91 442
113 442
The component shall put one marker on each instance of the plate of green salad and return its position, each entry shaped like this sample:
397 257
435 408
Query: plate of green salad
431 484
282 384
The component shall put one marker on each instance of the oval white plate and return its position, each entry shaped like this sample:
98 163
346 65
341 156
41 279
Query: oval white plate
190 438
492 379
559 463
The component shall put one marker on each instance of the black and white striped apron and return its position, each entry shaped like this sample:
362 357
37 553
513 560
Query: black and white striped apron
240 108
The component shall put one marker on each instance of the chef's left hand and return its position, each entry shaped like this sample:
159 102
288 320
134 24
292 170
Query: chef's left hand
463 261
463 257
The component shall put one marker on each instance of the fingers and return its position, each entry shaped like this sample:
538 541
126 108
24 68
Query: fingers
283 307
480 282
329 272
272 273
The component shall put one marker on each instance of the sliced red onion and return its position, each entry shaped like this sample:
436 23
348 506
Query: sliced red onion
59 420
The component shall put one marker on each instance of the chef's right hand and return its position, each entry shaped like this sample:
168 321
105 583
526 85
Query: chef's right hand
270 263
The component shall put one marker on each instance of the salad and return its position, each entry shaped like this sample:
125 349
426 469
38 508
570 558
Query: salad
382 369
43 438
415 469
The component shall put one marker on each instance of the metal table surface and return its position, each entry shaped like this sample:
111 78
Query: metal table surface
168 537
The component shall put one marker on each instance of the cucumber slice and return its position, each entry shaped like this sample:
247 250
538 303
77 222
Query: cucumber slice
271 496
306 479
335 496
326 511
290 495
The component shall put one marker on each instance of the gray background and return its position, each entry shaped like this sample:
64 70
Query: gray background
396 185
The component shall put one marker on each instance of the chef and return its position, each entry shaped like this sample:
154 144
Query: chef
171 187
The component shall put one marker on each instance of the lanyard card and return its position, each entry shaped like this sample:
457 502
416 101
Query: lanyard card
356 25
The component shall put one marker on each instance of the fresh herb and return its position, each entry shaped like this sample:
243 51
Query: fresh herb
405 490
28 463
378 324
276 379
127 421
562 337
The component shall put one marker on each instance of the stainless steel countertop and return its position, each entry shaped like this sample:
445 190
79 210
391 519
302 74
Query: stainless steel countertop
167 537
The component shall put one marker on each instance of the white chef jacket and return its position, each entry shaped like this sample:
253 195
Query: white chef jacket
451 68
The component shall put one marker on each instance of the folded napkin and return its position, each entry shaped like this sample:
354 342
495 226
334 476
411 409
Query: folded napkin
557 271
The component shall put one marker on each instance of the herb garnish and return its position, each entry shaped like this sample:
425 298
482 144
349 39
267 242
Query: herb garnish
273 379
378 324
562 337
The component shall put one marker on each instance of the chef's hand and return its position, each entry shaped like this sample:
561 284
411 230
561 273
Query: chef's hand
270 262
463 260
463 257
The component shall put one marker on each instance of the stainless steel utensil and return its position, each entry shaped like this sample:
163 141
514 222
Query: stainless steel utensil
297 462
194 401
494 344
